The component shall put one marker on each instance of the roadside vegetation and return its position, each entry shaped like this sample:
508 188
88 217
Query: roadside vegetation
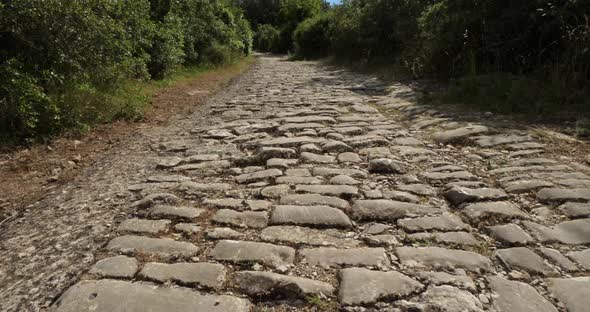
68 65
526 56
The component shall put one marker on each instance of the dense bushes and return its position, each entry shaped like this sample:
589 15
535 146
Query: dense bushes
545 43
312 36
267 38
62 62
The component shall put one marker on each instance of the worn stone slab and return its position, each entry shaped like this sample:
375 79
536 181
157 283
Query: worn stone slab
292 180
575 232
418 189
188 228
575 210
512 296
458 195
550 195
117 267
523 186
331 172
307 236
349 157
232 203
165 247
330 257
447 222
258 176
335 147
455 135
493 212
376 286
317 159
555 257
290 142
223 233
573 292
389 210
119 296
191 187
204 274
444 298
454 238
344 180
522 258
275 191
143 226
323 216
437 257
263 154
314 199
346 191
443 278
510 234
243 251
250 219
255 283
173 212
387 166
581 257
443 177
495 140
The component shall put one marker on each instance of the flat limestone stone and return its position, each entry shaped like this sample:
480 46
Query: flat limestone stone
174 212
205 274
310 215
455 238
459 134
387 166
294 180
118 267
255 283
458 195
346 191
443 177
389 210
447 222
581 257
523 186
361 286
522 258
442 278
250 219
429 257
243 251
317 159
512 296
145 245
445 299
191 187
232 203
303 235
144 226
330 257
558 259
573 292
331 172
550 195
493 212
314 199
349 157
119 296
259 176
575 232
188 228
510 234
575 210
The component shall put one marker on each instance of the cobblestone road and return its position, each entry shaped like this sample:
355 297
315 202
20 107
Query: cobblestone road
317 189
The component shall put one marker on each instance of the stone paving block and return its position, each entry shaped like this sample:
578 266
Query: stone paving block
322 216
117 267
205 274
119 296
376 286
243 251
437 257
145 245
330 257
261 283
573 292
511 296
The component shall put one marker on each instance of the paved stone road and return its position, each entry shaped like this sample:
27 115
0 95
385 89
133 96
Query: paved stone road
321 190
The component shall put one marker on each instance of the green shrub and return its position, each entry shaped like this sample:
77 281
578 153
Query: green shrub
267 38
312 37
167 52
66 64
